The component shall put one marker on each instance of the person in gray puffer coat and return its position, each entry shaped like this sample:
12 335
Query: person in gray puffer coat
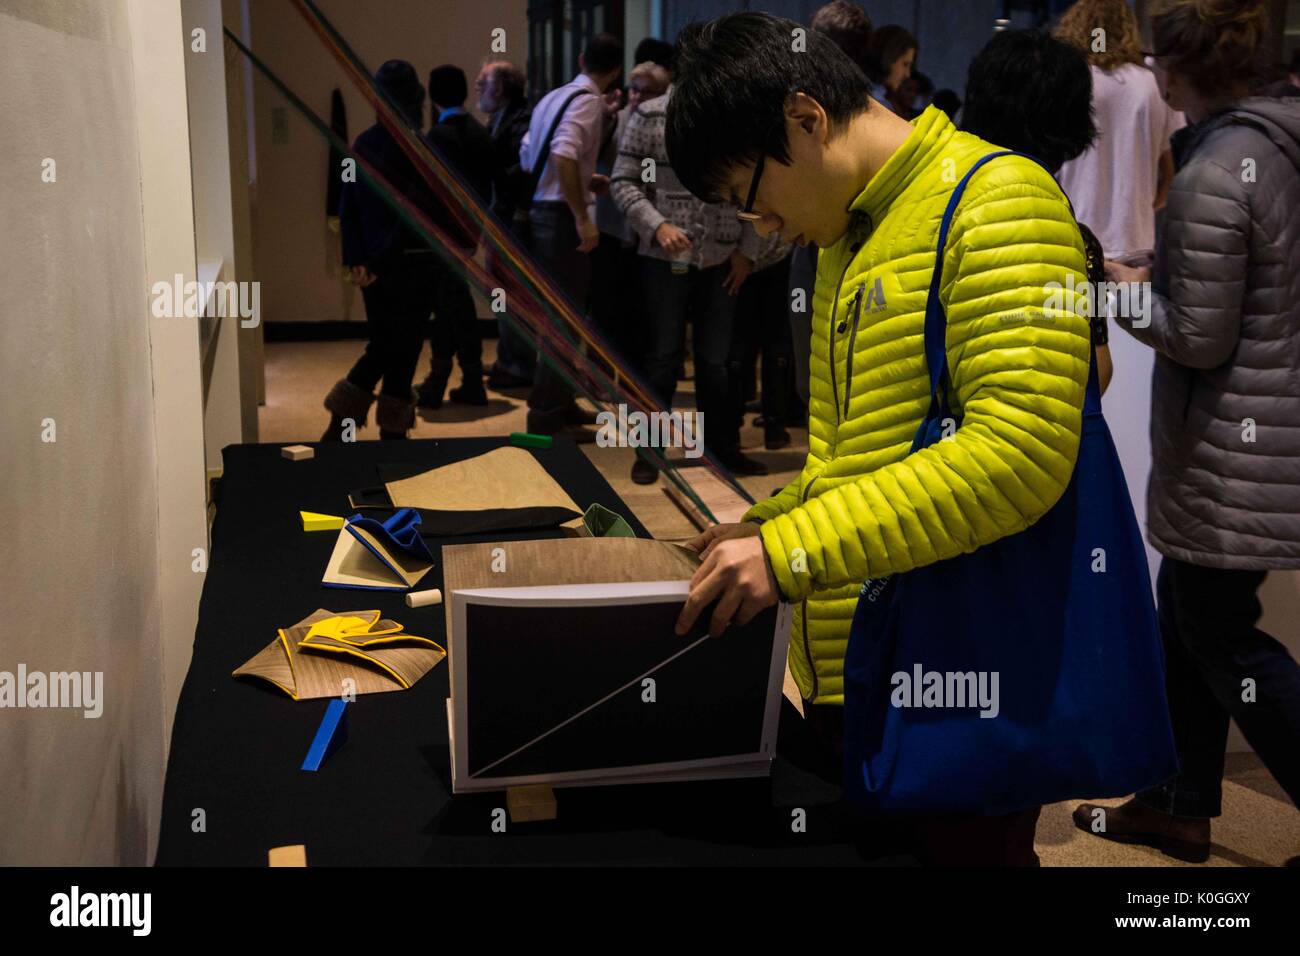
1224 494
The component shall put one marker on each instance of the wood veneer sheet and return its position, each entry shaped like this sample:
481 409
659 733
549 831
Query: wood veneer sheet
503 478
313 658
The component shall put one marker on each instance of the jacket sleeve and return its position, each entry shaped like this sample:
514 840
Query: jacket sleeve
625 183
1018 355
778 504
1194 312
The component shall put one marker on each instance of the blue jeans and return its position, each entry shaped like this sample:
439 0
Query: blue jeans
1207 621
670 300
554 244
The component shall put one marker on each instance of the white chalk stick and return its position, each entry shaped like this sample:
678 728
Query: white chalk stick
423 598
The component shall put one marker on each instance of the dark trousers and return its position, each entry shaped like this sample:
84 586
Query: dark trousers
514 354
1214 656
697 295
554 244
398 303
455 321
762 331
954 839
615 298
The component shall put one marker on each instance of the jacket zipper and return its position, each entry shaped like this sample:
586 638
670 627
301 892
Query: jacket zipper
835 303
807 640
853 336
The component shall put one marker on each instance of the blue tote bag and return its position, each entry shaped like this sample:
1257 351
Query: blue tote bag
1026 672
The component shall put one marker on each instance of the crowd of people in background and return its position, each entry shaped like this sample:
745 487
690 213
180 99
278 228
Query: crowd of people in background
1148 146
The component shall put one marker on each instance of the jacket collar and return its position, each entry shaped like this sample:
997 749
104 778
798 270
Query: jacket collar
930 134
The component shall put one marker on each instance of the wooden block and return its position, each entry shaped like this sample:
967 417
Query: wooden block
311 521
298 452
423 598
295 855
526 804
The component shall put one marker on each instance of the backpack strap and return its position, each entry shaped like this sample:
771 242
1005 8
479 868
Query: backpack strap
543 157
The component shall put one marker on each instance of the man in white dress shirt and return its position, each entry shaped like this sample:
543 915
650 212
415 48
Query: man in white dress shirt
562 216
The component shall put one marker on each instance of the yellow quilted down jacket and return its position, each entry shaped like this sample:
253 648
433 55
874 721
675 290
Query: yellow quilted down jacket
1018 352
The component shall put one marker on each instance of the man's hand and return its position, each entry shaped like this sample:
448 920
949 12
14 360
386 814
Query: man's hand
705 542
362 277
737 576
741 267
1118 272
588 235
671 239
599 183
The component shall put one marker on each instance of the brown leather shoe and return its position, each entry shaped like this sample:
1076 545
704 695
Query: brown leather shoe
1183 838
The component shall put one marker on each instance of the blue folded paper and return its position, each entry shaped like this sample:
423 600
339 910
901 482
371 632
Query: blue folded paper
401 532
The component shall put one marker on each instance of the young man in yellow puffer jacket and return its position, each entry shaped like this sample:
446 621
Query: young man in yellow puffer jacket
782 124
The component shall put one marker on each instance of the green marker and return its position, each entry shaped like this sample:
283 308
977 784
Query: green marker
529 440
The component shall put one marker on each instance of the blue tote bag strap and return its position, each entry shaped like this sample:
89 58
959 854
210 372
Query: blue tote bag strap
936 319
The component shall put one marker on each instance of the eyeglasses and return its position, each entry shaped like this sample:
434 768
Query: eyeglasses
747 214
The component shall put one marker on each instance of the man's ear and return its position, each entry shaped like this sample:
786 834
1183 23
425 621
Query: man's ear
805 112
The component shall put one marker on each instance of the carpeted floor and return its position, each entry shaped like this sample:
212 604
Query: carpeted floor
1259 826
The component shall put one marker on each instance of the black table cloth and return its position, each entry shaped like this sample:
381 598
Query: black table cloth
385 797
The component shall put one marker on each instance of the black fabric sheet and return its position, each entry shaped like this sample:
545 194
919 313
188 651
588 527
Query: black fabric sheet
234 787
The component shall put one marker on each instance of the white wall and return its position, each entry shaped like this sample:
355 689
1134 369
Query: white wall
100 520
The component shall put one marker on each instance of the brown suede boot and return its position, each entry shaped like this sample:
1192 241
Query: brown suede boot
395 416
1183 838
346 401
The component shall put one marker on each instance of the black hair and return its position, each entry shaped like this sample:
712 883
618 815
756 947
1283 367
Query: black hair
948 101
654 50
602 53
1295 61
448 86
1030 92
849 26
733 77
398 79
888 44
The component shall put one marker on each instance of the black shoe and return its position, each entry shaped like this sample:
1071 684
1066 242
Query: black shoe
1182 838
469 392
554 425
741 464
775 437
575 414
643 472
430 392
